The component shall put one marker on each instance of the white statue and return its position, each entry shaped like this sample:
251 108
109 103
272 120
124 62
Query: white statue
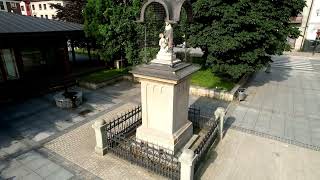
168 33
163 43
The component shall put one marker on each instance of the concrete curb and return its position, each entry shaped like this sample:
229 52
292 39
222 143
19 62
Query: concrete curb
94 86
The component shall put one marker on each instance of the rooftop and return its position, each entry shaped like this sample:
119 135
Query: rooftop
11 23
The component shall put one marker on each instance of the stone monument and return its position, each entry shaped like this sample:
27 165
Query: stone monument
165 87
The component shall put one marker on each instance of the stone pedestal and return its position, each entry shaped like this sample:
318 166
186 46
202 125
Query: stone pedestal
164 97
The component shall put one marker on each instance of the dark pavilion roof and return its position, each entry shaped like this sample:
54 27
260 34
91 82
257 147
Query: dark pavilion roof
11 23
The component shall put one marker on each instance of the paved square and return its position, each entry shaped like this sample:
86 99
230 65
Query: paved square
284 103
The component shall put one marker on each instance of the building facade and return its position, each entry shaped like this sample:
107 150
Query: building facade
36 8
10 6
35 64
43 9
309 25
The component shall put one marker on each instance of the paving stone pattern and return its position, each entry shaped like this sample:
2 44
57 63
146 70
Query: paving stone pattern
32 166
284 103
242 156
77 146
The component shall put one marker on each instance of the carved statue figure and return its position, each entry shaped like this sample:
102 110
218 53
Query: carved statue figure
168 34
163 43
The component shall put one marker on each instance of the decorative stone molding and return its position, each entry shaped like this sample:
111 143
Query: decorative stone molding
187 160
101 147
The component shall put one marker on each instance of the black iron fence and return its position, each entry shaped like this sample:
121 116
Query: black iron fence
199 121
122 143
125 124
205 144
210 126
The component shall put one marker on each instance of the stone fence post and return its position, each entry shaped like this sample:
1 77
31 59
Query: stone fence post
187 160
219 114
100 134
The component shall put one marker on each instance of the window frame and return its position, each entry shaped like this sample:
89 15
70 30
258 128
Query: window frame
2 6
13 5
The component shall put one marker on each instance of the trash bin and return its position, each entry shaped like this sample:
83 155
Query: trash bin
241 94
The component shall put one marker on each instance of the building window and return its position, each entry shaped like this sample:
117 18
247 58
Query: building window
46 16
41 16
40 7
10 65
44 6
1 5
318 12
51 6
13 5
35 15
22 8
33 7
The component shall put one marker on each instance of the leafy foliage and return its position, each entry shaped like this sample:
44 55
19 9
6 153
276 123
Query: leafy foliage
239 36
71 12
112 24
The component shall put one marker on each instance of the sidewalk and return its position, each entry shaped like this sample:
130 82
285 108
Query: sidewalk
242 156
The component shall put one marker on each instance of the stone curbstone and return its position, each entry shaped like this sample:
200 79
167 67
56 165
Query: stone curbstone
95 86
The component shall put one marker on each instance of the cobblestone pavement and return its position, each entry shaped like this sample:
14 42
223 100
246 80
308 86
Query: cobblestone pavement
82 141
31 130
242 156
284 103
25 127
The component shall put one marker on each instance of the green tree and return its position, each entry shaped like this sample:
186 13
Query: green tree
112 24
238 36
71 12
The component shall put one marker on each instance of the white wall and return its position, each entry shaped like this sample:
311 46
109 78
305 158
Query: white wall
302 28
48 11
314 21
24 10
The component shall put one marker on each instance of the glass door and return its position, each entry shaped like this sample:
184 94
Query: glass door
9 63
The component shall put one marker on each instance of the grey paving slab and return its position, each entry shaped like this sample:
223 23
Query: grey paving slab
284 103
32 176
47 170
59 174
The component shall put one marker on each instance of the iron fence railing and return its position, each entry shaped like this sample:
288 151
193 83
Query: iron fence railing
205 144
152 157
120 141
199 121
126 123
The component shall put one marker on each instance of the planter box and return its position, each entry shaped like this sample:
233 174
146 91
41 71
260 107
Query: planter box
219 94
94 86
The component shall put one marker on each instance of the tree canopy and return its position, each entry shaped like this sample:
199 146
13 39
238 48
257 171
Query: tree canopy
112 24
239 36
71 12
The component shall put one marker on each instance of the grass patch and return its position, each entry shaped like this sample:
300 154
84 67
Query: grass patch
85 52
104 75
205 78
